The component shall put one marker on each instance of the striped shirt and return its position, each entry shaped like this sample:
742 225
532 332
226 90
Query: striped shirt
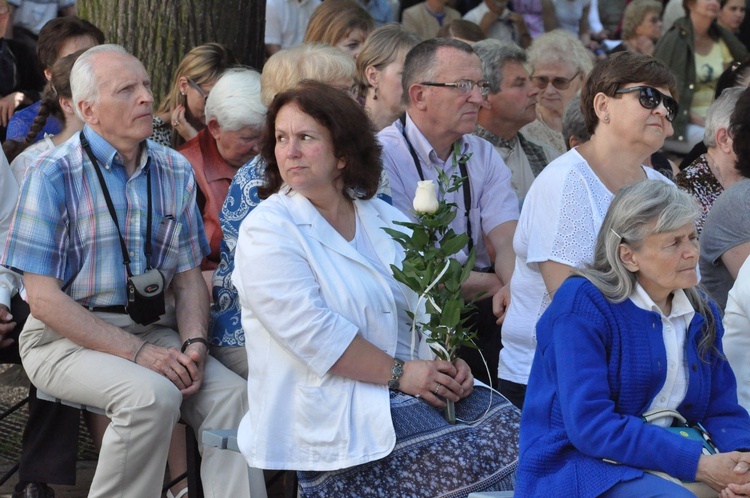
63 229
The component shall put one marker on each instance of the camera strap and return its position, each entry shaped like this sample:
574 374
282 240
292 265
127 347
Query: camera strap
466 188
113 213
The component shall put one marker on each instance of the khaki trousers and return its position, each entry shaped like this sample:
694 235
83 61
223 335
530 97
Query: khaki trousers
143 407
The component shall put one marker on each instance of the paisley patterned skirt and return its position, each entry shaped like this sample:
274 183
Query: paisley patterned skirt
433 458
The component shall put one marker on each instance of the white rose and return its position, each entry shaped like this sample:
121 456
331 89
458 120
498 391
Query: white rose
425 198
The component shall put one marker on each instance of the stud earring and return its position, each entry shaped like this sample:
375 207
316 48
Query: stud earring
606 118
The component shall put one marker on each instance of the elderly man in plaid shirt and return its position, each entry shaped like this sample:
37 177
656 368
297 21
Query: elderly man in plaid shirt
80 231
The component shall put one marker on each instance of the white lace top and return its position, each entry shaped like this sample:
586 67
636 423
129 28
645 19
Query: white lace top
559 222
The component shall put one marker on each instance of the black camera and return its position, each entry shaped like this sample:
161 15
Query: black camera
146 297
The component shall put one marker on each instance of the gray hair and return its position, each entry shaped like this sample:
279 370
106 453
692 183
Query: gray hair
235 100
719 114
637 211
420 61
494 54
563 46
83 82
574 124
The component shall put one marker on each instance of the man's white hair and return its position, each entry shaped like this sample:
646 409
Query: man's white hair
83 83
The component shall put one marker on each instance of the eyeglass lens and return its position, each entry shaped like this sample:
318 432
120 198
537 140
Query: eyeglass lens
559 82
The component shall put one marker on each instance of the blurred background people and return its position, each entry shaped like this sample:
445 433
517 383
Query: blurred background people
181 115
715 170
59 37
697 50
511 104
426 18
725 241
732 14
497 20
641 27
560 64
379 68
463 30
286 22
343 24
539 15
30 16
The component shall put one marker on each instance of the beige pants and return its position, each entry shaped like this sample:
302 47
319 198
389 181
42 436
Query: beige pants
701 490
143 407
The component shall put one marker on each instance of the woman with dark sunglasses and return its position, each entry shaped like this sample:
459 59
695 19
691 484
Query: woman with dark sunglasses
697 50
628 108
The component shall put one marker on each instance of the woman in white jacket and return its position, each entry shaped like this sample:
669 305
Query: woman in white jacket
327 330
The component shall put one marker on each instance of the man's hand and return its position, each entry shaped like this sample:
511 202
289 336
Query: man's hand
6 326
741 471
500 303
185 370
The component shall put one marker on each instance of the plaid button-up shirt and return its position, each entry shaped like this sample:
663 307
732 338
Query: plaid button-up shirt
63 229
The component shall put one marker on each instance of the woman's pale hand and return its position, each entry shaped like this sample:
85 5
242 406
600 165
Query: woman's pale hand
432 381
724 470
181 124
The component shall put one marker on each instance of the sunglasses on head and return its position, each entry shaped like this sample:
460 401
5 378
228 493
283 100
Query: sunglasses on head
650 98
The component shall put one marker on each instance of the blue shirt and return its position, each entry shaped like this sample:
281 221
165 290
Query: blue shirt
63 229
493 200
225 328
21 121
380 11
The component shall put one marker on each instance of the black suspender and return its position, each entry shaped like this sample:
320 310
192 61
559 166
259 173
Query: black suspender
464 174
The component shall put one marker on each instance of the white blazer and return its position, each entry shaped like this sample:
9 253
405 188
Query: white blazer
305 293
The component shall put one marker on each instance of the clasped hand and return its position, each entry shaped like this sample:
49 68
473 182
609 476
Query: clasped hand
6 326
437 380
727 473
184 370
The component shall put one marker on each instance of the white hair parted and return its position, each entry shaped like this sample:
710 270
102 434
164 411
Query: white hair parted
637 211
83 82
720 113
235 101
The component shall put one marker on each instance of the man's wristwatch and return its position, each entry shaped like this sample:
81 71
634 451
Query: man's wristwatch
397 370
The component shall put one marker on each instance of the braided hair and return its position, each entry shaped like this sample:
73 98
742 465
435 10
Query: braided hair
58 86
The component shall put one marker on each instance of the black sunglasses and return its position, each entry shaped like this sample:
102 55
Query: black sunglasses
650 98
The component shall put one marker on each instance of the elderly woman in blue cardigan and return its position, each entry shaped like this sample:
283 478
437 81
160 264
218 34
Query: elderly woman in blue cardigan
628 335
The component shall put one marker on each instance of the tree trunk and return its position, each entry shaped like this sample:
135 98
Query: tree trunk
161 32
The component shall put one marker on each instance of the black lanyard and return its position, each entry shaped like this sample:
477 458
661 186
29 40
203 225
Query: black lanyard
464 173
113 214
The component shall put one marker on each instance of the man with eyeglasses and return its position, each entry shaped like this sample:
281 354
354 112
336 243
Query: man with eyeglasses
444 90
511 105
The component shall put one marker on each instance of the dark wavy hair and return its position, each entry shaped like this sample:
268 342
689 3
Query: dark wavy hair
610 74
352 137
739 129
59 30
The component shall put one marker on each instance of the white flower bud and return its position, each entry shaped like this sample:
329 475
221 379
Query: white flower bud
425 198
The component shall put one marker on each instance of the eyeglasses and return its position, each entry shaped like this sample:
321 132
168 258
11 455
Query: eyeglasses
650 98
559 82
464 86
197 88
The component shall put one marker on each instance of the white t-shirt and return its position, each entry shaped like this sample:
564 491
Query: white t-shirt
737 332
503 29
569 13
559 222
286 21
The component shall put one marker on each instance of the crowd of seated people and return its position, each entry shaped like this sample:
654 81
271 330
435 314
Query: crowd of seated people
220 258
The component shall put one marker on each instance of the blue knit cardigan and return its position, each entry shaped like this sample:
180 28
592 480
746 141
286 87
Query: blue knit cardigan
597 367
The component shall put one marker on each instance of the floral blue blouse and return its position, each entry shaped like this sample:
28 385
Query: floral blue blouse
226 328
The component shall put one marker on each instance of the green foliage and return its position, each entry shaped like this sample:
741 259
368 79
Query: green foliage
429 248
